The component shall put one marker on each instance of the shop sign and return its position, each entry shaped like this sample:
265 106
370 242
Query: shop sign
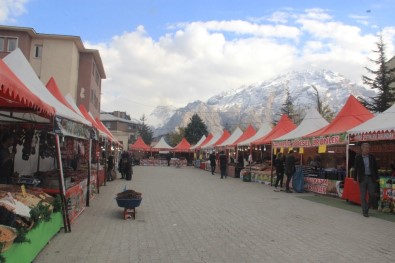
312 142
70 128
385 136
323 186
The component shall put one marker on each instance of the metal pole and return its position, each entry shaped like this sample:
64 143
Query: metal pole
271 172
347 154
62 188
97 165
88 185
105 162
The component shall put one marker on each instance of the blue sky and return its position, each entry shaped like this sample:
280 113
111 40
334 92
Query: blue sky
173 52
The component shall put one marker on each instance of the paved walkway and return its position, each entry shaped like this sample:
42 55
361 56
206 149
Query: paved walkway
188 215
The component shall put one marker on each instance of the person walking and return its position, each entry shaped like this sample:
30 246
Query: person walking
279 164
213 161
366 175
110 167
290 169
222 164
240 164
128 166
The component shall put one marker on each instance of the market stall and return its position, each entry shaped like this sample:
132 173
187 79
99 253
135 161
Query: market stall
331 160
182 153
380 133
101 142
263 171
196 151
160 159
313 121
247 134
25 213
203 156
67 123
139 150
210 146
230 151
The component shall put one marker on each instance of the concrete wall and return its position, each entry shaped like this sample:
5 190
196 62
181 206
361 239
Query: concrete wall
60 60
87 84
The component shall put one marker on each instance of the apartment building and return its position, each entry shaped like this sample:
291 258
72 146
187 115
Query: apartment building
76 70
121 126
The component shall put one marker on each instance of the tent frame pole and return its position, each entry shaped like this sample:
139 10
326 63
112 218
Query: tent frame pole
62 188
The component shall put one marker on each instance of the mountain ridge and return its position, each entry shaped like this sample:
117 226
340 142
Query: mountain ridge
261 102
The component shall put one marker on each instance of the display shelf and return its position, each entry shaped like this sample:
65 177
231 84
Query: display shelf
39 237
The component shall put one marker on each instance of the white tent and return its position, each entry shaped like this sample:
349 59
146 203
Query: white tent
383 122
213 140
72 103
199 142
313 121
265 129
162 146
17 62
233 138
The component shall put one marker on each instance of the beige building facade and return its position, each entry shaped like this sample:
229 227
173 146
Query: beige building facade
121 126
77 71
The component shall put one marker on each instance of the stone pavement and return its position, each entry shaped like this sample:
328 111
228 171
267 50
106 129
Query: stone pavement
188 215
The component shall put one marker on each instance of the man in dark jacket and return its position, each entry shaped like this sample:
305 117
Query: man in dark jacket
222 164
279 164
366 175
110 167
212 162
290 169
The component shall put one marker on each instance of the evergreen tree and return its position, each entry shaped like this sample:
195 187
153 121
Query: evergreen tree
382 81
323 106
288 106
175 137
145 131
195 129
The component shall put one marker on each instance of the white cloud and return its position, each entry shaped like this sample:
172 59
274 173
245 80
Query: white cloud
200 59
279 17
240 27
9 9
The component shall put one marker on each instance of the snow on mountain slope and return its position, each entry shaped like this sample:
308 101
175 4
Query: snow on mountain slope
258 103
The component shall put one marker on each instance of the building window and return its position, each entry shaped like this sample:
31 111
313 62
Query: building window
12 44
97 78
108 125
38 51
2 40
93 68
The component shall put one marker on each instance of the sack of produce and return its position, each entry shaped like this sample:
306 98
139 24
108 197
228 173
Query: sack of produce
7 236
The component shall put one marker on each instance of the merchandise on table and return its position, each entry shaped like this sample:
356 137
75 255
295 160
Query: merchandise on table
21 210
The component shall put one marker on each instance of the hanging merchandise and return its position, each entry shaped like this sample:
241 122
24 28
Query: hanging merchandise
46 145
27 144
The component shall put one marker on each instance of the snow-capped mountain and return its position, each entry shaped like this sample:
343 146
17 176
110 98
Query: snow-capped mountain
161 115
262 102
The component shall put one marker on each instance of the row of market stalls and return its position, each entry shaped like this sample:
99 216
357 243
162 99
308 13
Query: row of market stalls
55 169
326 150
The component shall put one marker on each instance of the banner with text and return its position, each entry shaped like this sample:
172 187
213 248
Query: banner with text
382 136
312 142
